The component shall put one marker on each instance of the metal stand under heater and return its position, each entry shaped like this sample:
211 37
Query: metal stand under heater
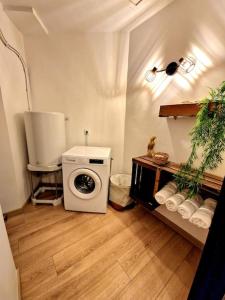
46 194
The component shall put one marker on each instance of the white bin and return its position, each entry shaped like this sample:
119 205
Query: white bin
120 189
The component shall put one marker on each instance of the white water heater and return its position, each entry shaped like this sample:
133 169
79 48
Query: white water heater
45 133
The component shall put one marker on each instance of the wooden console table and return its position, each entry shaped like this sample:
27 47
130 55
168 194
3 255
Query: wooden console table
148 178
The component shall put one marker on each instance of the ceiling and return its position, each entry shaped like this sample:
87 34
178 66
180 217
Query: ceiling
60 16
178 30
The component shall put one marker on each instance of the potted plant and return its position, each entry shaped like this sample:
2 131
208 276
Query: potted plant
208 135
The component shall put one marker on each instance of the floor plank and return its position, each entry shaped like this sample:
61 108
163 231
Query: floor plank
120 255
179 284
36 220
107 284
135 259
50 231
99 281
110 251
14 247
154 276
142 250
15 221
37 273
56 244
77 251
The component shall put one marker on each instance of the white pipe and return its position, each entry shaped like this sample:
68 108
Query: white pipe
11 48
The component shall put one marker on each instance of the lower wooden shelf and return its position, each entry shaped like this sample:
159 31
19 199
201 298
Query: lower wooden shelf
148 178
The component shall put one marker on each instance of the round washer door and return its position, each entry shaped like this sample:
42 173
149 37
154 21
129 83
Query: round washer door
84 183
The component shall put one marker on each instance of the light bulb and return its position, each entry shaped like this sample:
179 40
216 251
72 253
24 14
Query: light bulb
150 74
187 64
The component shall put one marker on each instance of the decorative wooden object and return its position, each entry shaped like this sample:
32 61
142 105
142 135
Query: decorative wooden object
181 110
151 146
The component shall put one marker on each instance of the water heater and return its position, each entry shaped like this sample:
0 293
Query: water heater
45 133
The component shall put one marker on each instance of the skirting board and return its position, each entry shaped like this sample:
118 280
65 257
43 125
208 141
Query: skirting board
19 210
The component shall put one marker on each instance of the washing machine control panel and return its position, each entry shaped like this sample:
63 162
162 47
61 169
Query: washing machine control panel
84 161
96 161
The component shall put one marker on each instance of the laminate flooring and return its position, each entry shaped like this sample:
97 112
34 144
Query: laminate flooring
119 255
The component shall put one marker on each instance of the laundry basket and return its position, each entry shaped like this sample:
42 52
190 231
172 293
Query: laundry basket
119 191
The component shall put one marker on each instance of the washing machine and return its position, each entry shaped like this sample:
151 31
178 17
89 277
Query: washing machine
86 172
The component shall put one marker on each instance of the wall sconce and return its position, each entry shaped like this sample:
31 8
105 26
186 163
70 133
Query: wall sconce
186 64
135 2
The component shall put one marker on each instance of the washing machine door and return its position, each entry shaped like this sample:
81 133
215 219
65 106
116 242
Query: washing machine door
84 183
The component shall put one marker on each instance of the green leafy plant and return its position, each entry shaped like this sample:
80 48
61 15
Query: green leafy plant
208 135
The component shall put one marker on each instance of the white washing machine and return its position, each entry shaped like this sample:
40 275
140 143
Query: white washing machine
86 172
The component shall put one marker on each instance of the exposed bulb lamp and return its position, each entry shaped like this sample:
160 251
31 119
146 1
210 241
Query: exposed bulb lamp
186 64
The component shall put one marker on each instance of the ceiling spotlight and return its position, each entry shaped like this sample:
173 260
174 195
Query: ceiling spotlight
186 64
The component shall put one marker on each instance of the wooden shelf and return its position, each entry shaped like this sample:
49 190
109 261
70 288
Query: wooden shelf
179 110
210 181
182 110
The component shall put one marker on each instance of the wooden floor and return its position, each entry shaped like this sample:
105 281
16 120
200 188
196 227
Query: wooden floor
120 255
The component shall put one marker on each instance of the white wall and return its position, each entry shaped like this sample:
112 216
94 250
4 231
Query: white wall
8 275
84 76
8 198
14 104
176 31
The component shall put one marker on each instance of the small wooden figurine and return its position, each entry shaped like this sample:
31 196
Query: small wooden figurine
151 146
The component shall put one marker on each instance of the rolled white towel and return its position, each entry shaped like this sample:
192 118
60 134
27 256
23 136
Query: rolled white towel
203 216
189 206
210 204
172 184
168 190
174 201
